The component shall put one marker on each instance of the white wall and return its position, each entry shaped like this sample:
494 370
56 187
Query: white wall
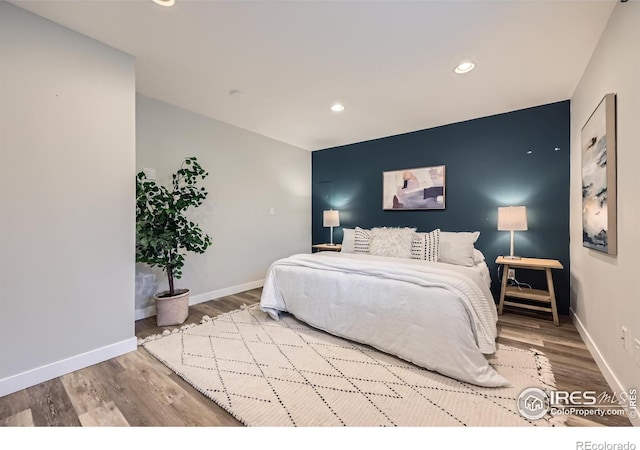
248 175
67 196
605 294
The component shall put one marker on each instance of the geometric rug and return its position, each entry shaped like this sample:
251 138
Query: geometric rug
270 373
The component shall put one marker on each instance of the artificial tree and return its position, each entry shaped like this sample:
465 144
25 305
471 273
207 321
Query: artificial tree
163 231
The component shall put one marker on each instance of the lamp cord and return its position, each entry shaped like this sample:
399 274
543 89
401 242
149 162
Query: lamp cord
512 282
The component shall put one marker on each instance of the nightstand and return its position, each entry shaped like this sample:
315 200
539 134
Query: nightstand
327 247
545 297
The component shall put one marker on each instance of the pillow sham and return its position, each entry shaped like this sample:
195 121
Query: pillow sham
478 256
457 247
464 236
348 240
361 240
426 246
395 242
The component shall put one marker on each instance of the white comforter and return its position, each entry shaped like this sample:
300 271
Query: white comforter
438 316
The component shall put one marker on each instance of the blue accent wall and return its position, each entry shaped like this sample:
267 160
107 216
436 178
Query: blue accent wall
516 158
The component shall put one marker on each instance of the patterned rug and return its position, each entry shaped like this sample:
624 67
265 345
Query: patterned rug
285 373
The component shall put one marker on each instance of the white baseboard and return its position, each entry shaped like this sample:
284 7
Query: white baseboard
149 311
601 362
200 298
56 369
48 372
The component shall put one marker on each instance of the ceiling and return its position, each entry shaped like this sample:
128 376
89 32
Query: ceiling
389 62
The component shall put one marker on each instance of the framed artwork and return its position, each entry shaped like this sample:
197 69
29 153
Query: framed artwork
407 189
598 142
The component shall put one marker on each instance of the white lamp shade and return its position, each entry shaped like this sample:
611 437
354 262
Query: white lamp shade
512 218
331 218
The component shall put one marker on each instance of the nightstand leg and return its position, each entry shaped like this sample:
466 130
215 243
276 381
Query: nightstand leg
505 277
552 294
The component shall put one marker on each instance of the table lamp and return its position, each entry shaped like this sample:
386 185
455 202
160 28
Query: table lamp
512 218
331 218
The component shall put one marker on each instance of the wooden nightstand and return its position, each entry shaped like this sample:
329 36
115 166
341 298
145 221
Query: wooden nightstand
546 297
326 247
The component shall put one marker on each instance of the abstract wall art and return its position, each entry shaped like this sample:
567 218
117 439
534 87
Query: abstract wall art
421 188
598 142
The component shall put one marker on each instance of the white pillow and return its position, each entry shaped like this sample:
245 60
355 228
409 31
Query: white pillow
478 256
361 241
394 242
464 236
426 246
348 240
457 248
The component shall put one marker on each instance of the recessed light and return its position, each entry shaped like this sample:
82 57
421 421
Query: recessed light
464 67
529 152
337 107
165 2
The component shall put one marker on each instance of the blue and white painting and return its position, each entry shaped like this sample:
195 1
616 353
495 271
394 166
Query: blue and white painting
595 181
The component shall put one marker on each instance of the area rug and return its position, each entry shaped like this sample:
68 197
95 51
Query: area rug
284 373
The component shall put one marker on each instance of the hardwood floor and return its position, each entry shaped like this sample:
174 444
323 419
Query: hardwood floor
572 364
137 390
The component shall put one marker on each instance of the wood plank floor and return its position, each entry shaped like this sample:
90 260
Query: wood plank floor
137 390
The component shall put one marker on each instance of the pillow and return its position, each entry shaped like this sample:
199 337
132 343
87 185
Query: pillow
394 242
426 246
478 257
348 240
457 248
361 241
465 236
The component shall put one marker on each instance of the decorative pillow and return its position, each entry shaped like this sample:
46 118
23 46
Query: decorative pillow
457 248
394 242
361 241
426 246
348 240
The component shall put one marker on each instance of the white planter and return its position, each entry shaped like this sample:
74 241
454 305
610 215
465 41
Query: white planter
172 310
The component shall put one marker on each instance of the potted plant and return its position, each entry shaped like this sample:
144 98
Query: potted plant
164 234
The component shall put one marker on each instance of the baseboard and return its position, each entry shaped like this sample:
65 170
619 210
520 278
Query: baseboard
48 372
601 362
213 295
149 311
200 298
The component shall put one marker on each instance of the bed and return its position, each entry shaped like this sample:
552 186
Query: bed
436 315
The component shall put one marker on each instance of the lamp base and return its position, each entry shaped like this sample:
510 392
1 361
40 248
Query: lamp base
512 257
332 244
